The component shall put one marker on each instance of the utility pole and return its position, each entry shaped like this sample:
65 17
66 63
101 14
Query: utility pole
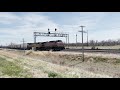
23 45
68 41
34 34
76 40
11 45
87 38
82 42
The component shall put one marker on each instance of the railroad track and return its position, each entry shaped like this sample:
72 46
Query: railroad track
112 51
115 51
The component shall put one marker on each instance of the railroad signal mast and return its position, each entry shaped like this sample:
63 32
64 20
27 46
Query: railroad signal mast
55 31
50 34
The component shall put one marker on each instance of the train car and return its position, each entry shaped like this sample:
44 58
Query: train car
29 46
22 47
51 45
38 46
54 45
60 45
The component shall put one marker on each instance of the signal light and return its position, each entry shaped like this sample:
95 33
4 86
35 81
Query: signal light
55 29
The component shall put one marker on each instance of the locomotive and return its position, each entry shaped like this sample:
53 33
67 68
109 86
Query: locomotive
50 45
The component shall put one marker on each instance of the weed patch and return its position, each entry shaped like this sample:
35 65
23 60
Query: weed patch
11 69
52 74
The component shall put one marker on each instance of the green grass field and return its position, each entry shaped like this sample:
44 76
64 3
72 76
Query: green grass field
12 69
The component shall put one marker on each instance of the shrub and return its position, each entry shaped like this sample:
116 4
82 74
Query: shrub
93 48
52 74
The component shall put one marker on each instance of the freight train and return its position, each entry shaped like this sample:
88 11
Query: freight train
50 45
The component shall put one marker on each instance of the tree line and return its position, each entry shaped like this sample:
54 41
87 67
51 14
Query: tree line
109 42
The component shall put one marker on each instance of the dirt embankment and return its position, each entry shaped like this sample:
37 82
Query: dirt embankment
96 63
93 66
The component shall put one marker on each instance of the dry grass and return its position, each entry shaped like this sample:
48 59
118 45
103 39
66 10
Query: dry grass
94 65
62 58
11 69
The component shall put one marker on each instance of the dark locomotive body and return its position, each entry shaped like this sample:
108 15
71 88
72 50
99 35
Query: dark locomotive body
51 45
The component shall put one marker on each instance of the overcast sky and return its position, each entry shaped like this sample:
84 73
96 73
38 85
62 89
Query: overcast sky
17 25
